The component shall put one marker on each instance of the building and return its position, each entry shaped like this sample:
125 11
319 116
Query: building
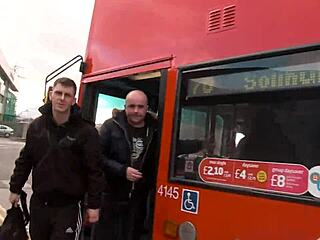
7 88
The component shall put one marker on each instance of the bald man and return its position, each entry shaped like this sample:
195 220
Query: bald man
128 142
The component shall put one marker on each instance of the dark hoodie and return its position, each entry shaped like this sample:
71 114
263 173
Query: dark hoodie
65 160
116 148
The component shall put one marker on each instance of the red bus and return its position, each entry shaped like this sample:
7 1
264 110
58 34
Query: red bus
236 87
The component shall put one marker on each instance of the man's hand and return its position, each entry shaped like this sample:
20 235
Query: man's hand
92 215
14 198
133 174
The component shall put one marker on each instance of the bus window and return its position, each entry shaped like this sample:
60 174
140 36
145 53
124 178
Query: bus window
105 96
225 120
193 124
218 134
192 134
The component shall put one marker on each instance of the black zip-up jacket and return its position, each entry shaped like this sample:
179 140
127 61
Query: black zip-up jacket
116 148
65 160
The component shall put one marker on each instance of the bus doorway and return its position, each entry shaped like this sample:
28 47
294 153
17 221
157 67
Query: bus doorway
108 97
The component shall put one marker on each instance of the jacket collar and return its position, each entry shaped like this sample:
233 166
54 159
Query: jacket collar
46 110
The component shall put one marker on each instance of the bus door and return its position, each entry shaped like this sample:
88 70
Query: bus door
103 98
253 167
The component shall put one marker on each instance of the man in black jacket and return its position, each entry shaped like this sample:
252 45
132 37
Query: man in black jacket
63 152
129 162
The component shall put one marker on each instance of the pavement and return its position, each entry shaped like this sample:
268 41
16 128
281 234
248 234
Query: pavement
9 150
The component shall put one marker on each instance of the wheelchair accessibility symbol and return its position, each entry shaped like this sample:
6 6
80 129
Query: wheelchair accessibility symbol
190 201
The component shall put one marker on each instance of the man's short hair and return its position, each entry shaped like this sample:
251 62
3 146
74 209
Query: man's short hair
67 82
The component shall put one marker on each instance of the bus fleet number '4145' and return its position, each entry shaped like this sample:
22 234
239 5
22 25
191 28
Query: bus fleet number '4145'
169 191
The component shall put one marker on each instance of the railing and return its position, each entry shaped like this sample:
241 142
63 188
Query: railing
62 69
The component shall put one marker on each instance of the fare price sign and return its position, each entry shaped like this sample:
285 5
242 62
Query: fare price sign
277 177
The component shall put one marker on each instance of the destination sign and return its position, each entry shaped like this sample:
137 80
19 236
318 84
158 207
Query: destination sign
264 80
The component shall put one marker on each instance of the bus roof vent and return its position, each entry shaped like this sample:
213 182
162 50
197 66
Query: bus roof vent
214 20
229 16
221 19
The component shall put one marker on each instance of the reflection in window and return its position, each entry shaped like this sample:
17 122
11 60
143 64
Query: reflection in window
283 132
106 104
193 124
295 71
260 110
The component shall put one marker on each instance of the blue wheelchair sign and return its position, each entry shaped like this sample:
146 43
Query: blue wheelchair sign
190 201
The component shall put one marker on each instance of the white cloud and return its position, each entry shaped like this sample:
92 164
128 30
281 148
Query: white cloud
39 36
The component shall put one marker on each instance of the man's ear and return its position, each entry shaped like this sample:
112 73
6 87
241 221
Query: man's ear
74 101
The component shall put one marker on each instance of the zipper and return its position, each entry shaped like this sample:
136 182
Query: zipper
147 147
125 135
130 150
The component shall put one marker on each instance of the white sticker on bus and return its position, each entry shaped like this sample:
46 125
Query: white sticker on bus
314 181
190 201
169 191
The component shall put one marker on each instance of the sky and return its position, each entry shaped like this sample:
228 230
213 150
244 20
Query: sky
38 36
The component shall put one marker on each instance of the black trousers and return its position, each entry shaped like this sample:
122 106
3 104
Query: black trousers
121 220
54 222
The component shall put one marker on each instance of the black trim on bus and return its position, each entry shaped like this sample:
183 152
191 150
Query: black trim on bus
161 103
90 101
226 188
176 121
254 56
